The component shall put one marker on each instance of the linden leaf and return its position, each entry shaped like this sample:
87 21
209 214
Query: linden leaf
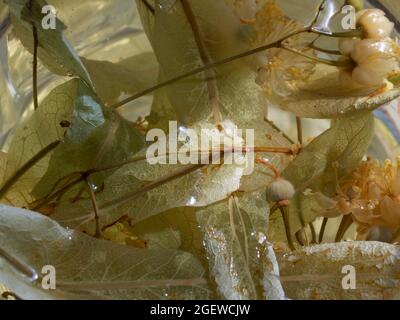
316 272
54 50
96 137
320 93
142 189
35 134
89 268
131 75
242 262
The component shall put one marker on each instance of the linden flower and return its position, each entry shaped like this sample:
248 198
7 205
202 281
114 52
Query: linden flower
374 60
377 56
376 204
374 23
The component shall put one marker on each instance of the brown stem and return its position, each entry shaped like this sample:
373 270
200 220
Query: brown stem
244 149
170 177
207 67
345 224
21 171
21 267
322 230
35 67
299 130
95 207
273 125
206 59
57 194
313 233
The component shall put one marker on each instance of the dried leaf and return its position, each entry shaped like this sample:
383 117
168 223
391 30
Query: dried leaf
98 135
54 50
316 272
242 262
87 268
33 135
128 76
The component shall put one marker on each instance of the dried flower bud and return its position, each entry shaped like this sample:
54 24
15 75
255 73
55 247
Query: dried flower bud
280 190
374 23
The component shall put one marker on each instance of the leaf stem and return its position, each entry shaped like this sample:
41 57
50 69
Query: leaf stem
206 67
299 130
337 63
345 224
58 193
95 207
21 267
152 185
206 59
29 164
35 67
322 230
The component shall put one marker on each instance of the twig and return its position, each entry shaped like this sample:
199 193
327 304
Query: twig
207 67
299 130
58 193
20 172
21 267
206 59
345 224
95 207
322 230
170 177
35 66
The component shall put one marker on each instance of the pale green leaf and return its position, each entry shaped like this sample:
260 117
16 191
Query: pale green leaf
316 272
316 90
36 133
88 268
54 49
242 261
97 137
129 76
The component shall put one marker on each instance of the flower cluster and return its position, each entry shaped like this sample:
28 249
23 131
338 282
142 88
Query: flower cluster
376 56
372 195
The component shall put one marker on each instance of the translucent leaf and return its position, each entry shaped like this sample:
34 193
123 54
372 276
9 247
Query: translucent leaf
142 189
341 146
96 137
36 133
333 154
128 76
313 90
316 272
178 51
88 268
242 261
54 50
